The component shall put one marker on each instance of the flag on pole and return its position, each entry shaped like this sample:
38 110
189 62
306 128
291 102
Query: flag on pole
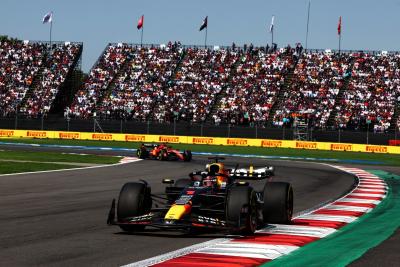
339 26
271 27
204 24
140 22
48 18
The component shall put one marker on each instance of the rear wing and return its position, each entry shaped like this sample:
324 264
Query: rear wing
252 174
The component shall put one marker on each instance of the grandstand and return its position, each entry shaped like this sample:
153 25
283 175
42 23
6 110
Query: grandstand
247 86
33 75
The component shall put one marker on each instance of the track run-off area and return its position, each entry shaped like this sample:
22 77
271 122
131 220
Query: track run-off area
59 218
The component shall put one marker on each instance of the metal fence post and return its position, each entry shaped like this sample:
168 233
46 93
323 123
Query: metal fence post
339 136
42 122
94 124
148 127
201 129
174 126
16 121
68 119
367 133
283 133
120 128
256 132
229 130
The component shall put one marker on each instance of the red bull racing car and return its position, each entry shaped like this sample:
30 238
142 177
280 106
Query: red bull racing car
217 198
162 152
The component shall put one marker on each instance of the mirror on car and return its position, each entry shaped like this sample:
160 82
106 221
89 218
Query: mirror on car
168 181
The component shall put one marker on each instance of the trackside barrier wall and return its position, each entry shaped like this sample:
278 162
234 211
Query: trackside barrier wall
200 140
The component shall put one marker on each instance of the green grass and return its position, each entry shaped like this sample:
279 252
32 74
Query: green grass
17 167
386 159
56 157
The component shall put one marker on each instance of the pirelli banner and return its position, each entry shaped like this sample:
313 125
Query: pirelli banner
199 140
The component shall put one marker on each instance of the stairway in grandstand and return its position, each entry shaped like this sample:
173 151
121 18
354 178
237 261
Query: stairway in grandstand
396 116
281 95
111 86
69 87
331 120
166 83
221 94
35 83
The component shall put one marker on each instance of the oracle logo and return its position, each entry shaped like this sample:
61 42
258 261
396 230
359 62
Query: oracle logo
341 147
270 143
236 142
134 138
69 135
36 134
203 140
376 149
306 145
169 139
102 136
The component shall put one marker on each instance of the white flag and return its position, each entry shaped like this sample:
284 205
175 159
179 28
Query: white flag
48 18
271 28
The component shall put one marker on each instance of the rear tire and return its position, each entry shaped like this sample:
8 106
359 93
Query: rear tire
241 209
187 155
134 200
278 203
141 153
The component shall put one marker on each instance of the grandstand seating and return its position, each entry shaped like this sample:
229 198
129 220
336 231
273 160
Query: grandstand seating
317 79
141 83
19 63
254 86
100 77
238 86
53 75
372 92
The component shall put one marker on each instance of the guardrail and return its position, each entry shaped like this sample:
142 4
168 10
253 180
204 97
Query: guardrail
267 143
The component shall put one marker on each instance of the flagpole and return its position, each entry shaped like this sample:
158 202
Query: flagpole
308 22
51 29
141 36
205 38
340 39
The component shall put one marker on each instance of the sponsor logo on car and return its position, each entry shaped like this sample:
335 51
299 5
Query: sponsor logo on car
36 134
271 143
341 147
102 136
134 138
306 145
236 142
376 149
203 140
68 135
6 133
169 139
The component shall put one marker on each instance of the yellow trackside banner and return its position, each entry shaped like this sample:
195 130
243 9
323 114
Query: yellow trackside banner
200 140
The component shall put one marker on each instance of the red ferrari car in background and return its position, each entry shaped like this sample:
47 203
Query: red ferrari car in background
162 152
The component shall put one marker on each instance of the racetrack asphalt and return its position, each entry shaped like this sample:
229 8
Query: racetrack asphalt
59 218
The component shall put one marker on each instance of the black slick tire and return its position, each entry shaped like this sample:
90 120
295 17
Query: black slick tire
134 200
278 203
241 210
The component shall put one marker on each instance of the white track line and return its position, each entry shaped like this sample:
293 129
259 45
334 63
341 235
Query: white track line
72 169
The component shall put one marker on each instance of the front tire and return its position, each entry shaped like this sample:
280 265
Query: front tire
134 200
278 203
241 210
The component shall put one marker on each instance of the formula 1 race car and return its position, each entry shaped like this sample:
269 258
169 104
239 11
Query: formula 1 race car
217 198
162 152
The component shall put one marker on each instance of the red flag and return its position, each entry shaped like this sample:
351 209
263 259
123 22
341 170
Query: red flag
339 26
140 22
